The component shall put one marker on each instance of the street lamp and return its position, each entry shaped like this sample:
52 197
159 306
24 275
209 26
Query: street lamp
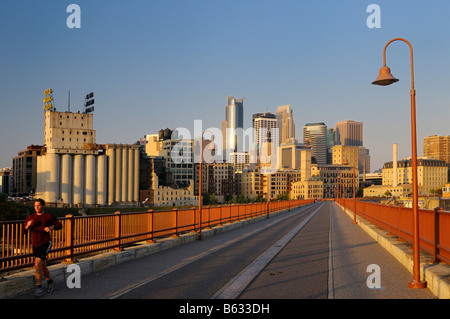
211 145
268 169
385 78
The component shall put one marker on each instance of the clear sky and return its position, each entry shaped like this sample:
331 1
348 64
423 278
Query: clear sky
157 64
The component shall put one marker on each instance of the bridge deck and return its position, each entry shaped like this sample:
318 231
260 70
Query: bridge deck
283 257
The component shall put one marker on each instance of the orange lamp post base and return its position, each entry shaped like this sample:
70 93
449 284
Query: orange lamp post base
418 284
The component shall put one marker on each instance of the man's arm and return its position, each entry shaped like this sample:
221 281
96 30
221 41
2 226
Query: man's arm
27 224
56 223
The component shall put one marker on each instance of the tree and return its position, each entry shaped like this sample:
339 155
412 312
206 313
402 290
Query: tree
283 196
11 211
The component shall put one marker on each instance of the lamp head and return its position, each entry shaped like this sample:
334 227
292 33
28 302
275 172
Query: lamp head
211 146
385 77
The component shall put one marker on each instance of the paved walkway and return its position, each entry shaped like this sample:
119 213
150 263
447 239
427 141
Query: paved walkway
325 256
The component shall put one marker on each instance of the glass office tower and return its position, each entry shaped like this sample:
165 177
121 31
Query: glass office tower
233 125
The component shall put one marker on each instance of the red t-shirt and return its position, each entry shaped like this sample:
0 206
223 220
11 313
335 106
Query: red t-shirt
38 235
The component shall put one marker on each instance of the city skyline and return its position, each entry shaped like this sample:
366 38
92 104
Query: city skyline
155 65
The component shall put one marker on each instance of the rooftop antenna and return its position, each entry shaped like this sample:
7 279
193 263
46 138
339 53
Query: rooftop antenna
69 102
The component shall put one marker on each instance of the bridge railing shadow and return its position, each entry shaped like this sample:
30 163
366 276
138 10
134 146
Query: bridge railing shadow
434 236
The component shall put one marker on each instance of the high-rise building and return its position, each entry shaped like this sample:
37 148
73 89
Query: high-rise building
290 155
331 136
232 127
178 156
263 122
364 160
240 160
6 181
346 155
315 135
331 141
24 171
357 156
437 147
349 133
286 125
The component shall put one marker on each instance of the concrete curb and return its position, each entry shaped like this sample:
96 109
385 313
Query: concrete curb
22 282
437 276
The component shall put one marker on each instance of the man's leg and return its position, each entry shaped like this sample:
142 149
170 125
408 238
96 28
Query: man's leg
41 268
45 271
38 268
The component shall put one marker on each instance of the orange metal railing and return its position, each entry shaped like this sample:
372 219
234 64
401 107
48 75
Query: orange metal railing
434 225
90 234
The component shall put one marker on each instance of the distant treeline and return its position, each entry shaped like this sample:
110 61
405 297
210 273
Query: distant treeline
10 211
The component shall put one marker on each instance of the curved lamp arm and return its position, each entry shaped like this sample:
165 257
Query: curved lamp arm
411 53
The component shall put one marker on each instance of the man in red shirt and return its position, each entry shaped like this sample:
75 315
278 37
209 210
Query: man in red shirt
41 224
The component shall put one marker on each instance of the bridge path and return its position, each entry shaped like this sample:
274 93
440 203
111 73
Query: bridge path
312 252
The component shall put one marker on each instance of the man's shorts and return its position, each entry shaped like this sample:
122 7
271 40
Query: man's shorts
42 251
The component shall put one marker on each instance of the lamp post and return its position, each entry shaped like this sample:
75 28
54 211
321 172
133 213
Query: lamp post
267 165
385 78
289 191
200 182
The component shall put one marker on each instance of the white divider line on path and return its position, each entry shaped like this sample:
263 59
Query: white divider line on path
204 254
235 286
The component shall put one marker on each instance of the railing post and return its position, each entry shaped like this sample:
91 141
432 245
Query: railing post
69 238
220 215
209 217
175 221
150 225
399 223
118 228
436 235
194 217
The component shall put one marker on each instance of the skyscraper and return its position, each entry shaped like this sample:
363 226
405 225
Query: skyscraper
262 122
349 133
315 135
286 125
331 141
232 127
437 147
